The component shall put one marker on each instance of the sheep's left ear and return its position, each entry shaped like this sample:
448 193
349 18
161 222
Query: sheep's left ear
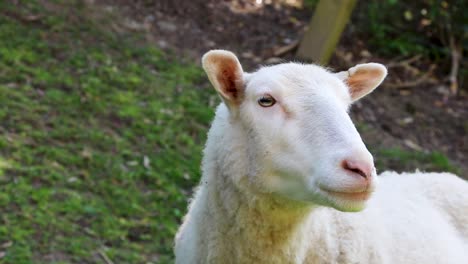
363 78
226 74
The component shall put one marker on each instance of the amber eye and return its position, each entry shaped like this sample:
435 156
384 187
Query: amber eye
266 101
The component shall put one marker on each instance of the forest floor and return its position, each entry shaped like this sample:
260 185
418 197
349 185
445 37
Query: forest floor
105 111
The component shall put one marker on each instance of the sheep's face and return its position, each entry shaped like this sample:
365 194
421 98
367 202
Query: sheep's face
300 141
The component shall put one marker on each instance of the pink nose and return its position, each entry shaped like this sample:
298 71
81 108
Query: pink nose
362 168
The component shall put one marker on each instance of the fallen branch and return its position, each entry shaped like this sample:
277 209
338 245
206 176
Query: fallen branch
23 19
105 257
278 52
404 62
423 79
456 56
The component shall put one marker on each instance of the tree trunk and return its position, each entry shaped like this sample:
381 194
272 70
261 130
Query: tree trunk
325 30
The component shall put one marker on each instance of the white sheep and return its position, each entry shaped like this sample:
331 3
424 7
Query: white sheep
284 169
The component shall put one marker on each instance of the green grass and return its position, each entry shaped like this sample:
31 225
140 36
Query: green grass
410 160
100 141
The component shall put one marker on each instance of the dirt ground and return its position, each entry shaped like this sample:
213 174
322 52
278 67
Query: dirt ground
404 113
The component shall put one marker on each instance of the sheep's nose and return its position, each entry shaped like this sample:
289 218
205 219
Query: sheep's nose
357 167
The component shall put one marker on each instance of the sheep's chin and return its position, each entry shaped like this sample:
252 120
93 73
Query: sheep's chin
314 193
345 202
334 200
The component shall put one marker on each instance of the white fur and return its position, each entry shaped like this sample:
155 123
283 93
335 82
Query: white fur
261 198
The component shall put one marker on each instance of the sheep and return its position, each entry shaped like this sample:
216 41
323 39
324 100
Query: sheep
286 178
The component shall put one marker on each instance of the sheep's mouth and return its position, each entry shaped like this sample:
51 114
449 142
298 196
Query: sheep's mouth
350 196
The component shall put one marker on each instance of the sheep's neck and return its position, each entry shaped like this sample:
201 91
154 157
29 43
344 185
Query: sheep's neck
257 226
244 226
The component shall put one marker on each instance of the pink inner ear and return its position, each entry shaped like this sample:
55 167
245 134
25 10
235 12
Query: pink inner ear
363 81
229 79
357 85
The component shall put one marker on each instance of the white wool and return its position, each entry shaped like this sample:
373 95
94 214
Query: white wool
259 198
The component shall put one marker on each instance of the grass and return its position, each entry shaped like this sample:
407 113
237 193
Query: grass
406 160
100 140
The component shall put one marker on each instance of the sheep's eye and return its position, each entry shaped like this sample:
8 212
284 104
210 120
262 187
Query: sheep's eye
266 101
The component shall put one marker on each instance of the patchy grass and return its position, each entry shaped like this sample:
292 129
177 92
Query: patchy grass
404 160
100 139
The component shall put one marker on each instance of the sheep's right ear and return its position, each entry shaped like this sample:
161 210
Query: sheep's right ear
225 73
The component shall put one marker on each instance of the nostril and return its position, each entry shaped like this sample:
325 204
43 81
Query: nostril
358 171
360 168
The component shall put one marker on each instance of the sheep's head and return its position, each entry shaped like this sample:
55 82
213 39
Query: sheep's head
301 142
